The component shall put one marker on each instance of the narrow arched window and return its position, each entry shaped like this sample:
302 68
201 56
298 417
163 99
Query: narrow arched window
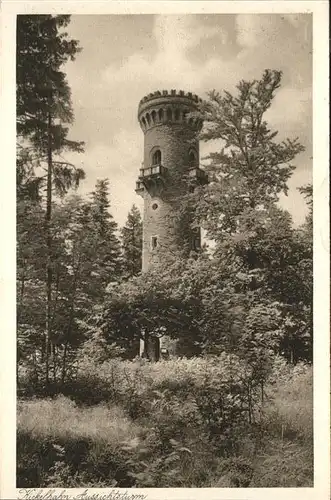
154 242
156 158
161 115
192 159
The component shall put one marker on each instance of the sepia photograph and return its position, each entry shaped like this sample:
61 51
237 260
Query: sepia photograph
164 239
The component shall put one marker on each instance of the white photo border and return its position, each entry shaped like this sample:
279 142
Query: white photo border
319 10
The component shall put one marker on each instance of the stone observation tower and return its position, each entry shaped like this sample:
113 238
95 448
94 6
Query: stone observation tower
170 170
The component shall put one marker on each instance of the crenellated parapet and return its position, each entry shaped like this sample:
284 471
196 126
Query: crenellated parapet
169 107
170 94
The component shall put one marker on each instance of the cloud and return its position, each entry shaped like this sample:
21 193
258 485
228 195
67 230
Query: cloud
298 101
106 101
251 32
117 162
175 35
170 68
277 41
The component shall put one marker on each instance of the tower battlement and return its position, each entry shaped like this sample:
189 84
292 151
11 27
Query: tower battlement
165 106
171 93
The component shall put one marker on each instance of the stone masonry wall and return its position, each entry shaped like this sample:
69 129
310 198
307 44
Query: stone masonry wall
175 143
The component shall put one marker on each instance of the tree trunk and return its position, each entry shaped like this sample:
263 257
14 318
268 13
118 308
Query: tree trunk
71 317
49 248
65 352
53 347
53 361
19 310
150 347
22 289
64 363
249 403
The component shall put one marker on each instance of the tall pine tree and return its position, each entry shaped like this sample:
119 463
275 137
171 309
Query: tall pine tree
43 109
108 263
131 235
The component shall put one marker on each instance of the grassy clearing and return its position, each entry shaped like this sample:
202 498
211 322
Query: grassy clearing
61 419
289 413
154 428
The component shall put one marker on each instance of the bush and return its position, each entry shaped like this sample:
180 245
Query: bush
289 413
179 423
56 437
284 464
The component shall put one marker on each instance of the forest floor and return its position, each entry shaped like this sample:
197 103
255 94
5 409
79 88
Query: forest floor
132 432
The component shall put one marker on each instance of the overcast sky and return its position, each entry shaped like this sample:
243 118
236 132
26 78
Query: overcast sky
126 57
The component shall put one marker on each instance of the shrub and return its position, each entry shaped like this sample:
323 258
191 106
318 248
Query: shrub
234 472
56 437
289 413
284 464
179 423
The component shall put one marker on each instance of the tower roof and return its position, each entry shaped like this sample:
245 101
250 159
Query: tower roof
170 94
165 99
168 97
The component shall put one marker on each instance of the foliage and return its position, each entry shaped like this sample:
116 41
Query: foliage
285 465
155 303
253 294
180 435
251 169
108 264
224 302
307 192
84 245
290 413
44 100
268 261
131 235
43 109
236 415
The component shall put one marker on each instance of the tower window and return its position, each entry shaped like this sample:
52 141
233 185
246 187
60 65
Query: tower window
196 244
154 206
154 242
196 239
192 159
156 159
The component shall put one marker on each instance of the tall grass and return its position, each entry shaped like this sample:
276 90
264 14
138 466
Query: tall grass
61 419
286 459
160 425
289 413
